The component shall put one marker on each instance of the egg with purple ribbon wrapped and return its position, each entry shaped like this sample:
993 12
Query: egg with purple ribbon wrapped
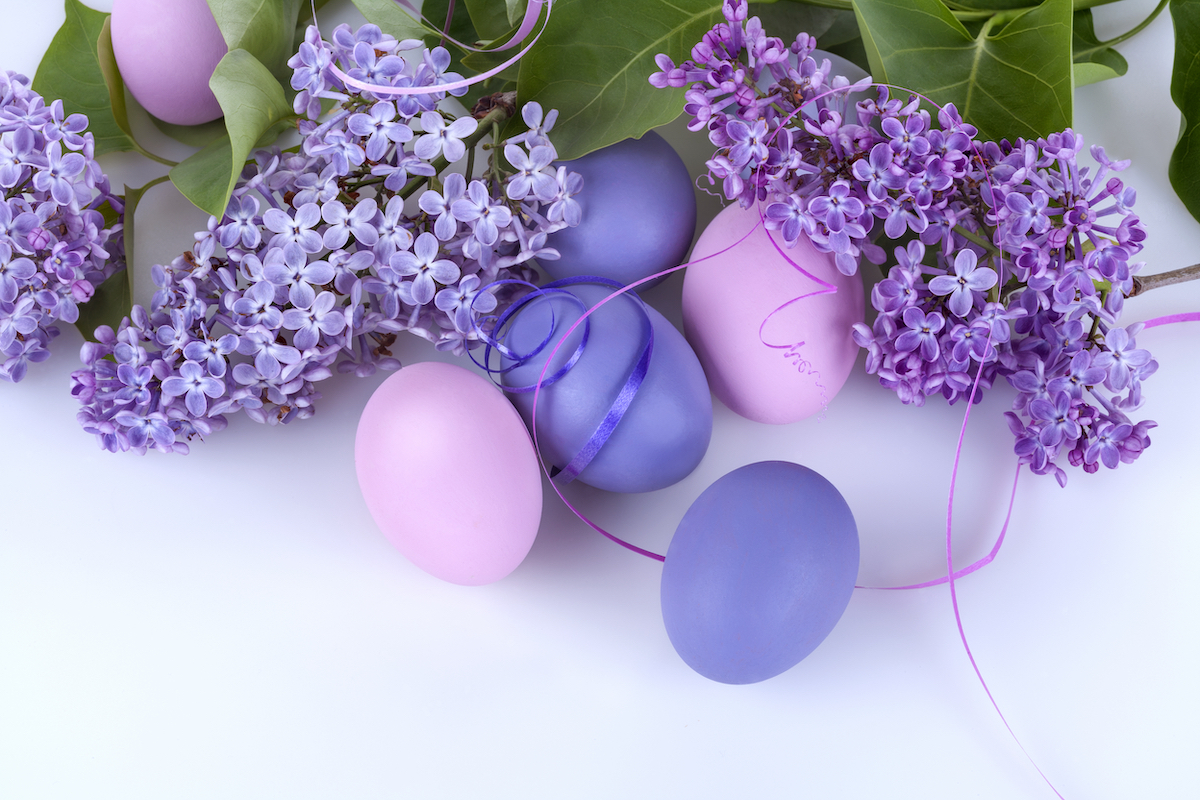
584 426
448 473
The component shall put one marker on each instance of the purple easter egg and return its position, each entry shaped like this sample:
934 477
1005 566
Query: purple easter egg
639 213
665 431
759 571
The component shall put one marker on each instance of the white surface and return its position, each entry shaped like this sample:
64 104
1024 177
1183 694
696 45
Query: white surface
232 624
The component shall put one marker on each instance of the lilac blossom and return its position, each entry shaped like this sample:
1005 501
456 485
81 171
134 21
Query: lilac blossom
317 266
55 247
1021 260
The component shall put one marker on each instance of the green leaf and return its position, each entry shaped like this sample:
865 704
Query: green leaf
593 63
192 135
392 19
1184 169
478 63
462 28
114 298
490 18
111 302
107 61
1011 79
1093 61
992 5
829 26
71 71
516 10
263 28
254 107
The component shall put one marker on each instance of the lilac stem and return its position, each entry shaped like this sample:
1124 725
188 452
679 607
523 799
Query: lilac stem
1144 283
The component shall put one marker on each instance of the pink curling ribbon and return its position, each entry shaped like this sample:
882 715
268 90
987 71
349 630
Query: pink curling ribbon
983 562
532 12
1170 319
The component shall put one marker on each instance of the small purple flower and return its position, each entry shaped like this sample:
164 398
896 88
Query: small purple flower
485 215
428 270
288 267
440 139
14 273
380 125
531 176
966 281
790 218
878 172
749 142
342 223
240 225
195 386
922 333
212 352
141 429
1120 359
836 207
57 176
310 322
1057 419
465 302
297 230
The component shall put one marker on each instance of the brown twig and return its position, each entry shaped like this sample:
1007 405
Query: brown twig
1144 283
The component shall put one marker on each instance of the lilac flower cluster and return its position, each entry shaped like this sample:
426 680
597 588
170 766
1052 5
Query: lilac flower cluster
55 246
1013 260
319 261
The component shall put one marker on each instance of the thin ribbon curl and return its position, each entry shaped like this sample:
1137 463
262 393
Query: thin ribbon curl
532 12
624 397
629 390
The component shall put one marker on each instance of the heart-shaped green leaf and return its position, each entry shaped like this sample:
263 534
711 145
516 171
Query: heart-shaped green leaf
255 109
263 28
490 18
114 297
392 19
593 61
829 26
71 71
1010 79
1093 61
1184 169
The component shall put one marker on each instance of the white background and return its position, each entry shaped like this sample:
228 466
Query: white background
233 624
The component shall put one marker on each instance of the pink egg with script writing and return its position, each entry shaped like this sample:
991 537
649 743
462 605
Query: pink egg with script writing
449 473
775 343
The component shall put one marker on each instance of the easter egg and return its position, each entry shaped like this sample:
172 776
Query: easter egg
639 213
665 430
776 345
166 51
759 571
448 473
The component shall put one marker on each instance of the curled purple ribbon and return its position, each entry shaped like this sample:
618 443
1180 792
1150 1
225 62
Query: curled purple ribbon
625 396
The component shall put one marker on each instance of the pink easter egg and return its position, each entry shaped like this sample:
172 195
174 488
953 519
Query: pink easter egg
449 473
775 344
166 51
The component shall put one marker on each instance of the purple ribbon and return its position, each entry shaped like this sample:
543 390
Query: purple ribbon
625 396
